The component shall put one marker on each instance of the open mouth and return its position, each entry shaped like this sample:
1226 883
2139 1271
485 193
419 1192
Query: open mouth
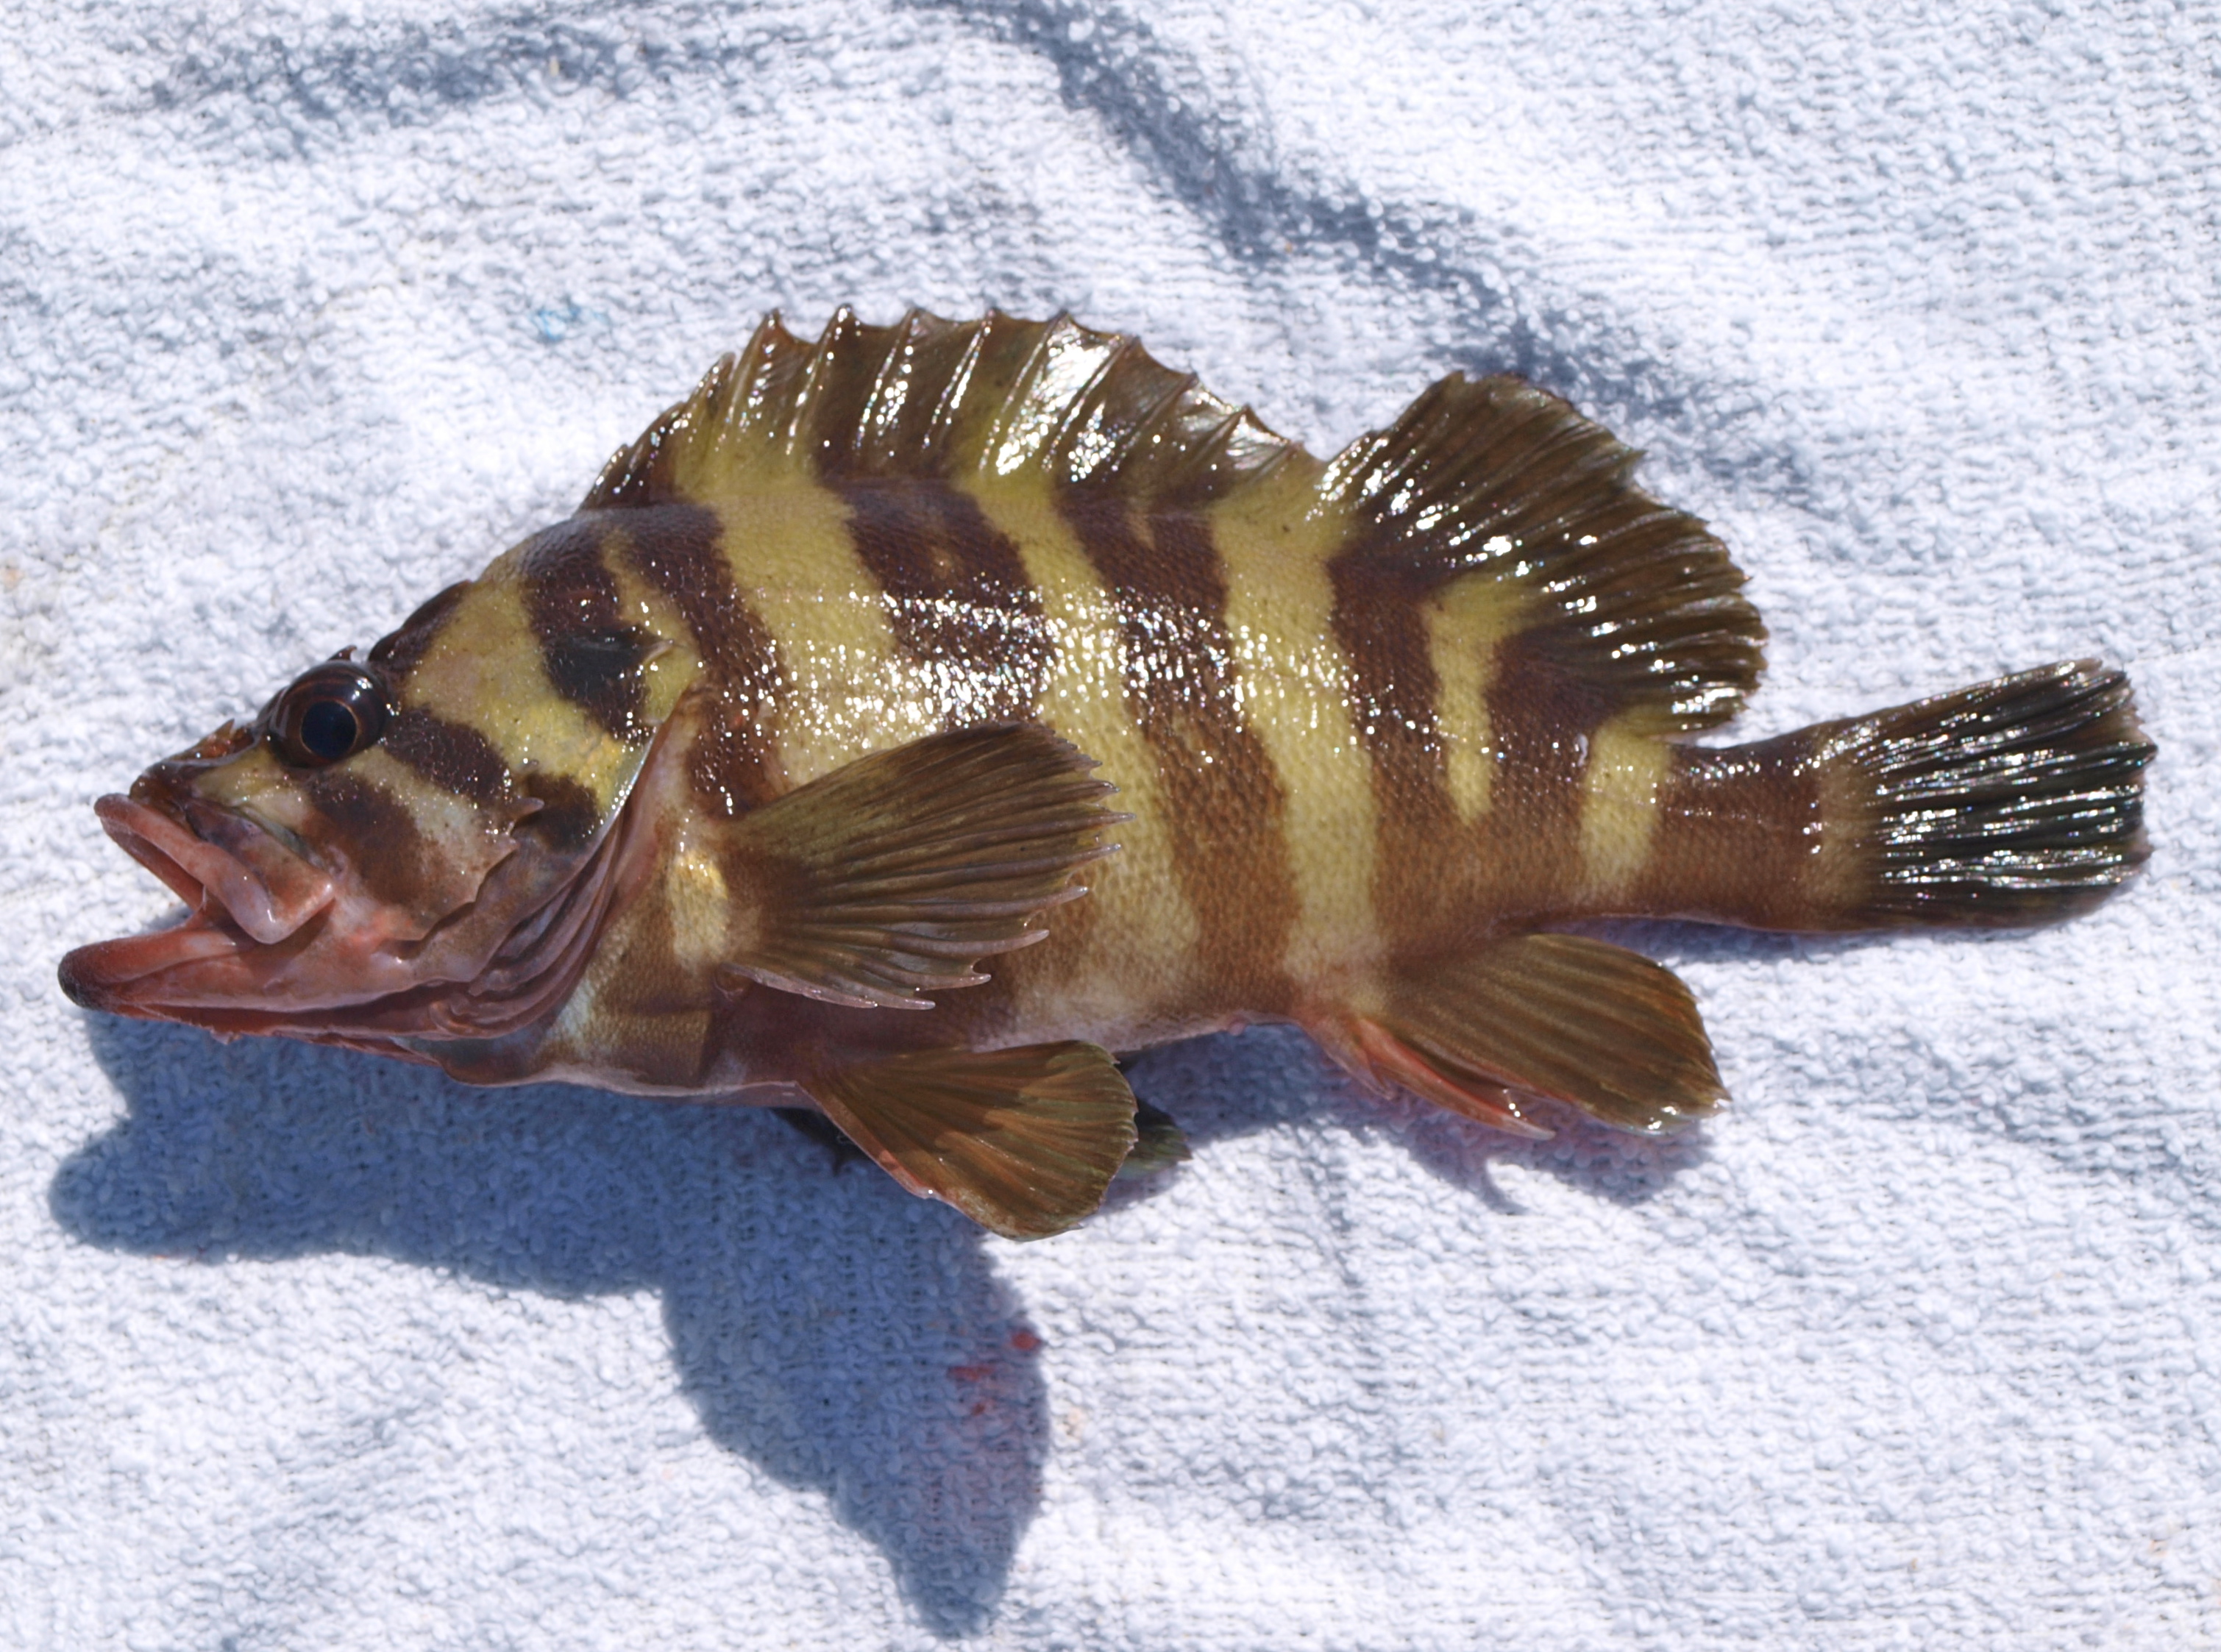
246 889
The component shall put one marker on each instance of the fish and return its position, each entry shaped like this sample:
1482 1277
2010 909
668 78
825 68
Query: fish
911 722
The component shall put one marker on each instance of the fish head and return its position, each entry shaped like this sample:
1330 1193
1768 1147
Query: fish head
353 862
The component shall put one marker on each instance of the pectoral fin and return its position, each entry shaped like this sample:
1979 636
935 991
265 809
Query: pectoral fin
892 876
1550 1015
1022 1140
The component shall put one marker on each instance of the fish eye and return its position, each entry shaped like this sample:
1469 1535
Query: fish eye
332 712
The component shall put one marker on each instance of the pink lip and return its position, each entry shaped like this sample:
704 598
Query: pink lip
101 976
204 874
235 906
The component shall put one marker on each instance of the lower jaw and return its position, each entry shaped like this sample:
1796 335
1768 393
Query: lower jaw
199 974
124 976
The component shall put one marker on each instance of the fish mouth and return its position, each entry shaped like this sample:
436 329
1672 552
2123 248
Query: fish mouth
242 888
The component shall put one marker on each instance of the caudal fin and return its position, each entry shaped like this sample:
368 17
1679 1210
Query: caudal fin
2015 802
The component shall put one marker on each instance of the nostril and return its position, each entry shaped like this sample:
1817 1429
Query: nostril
169 783
218 745
165 787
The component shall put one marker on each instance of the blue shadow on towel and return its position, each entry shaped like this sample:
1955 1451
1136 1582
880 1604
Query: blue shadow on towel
843 1336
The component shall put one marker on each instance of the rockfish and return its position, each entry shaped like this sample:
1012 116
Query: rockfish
913 718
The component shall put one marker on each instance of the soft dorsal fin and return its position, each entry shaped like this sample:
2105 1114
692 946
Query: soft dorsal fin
1498 480
932 397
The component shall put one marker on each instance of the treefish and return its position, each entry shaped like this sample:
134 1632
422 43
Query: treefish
909 720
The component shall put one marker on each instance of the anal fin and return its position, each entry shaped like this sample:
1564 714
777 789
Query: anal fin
1023 1140
1388 1057
1560 1016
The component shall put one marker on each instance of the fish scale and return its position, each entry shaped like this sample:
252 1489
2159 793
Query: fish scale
912 717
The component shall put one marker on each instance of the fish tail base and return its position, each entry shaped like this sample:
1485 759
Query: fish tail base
2016 802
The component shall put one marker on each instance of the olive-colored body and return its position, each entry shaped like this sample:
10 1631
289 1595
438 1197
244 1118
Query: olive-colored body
770 768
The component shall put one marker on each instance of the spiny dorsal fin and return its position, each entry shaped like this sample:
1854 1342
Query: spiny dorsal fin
933 398
1498 480
1023 1140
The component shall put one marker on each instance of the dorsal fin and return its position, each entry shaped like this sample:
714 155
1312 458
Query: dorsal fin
933 398
1498 480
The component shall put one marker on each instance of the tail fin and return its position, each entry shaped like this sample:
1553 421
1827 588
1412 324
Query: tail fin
2015 802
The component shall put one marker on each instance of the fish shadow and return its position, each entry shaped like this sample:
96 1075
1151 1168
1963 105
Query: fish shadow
1225 1087
1218 1088
846 1338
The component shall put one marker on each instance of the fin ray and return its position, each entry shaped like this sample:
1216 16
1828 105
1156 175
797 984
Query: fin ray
927 397
1159 1143
893 876
1023 1140
1560 1016
2016 801
1498 480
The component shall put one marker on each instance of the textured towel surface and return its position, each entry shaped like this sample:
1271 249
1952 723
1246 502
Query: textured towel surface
305 311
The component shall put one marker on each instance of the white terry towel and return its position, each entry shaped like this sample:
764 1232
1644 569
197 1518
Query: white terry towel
307 309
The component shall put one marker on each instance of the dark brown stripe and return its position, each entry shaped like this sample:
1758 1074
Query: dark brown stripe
592 656
376 833
1738 837
1544 714
958 592
399 653
1420 857
678 548
1224 805
1522 861
568 815
451 755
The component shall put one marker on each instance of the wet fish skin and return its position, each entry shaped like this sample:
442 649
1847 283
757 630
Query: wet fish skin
789 762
